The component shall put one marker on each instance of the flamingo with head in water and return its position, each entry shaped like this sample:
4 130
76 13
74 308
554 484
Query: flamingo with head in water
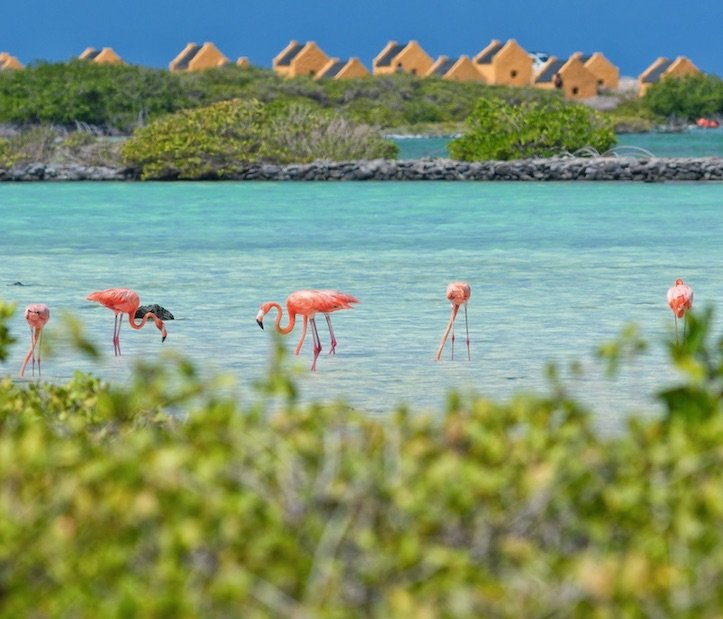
458 293
680 301
125 301
37 316
308 303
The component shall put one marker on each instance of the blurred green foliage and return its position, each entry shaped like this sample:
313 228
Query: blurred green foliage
6 312
214 141
499 131
166 498
687 98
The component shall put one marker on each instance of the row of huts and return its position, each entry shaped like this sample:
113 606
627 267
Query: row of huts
580 76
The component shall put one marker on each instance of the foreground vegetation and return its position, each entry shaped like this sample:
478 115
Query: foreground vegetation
167 498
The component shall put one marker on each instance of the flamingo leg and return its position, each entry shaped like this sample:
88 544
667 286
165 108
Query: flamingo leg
685 325
466 326
452 338
31 353
317 343
455 309
118 321
115 328
39 340
303 335
33 344
675 316
331 333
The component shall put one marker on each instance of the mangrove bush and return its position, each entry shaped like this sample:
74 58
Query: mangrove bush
214 141
687 98
119 98
499 131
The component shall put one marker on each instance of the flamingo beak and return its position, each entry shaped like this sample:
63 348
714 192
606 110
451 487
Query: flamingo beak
260 323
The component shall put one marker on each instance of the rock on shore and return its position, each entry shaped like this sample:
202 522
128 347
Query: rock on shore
69 172
551 169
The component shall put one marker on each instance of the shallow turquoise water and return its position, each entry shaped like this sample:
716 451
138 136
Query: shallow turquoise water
555 269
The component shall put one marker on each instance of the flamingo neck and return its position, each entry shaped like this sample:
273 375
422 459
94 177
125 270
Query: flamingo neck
277 323
144 320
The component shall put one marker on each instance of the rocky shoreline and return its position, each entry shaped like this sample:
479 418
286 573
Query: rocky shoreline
555 169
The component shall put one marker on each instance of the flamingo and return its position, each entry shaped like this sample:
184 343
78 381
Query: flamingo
308 303
680 300
37 316
124 301
458 293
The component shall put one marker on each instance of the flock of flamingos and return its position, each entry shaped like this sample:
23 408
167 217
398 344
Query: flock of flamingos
306 303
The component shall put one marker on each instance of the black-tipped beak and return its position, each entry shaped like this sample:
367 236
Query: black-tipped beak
163 338
259 323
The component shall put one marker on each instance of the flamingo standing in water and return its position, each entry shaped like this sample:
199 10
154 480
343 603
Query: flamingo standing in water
124 301
680 300
458 293
37 316
308 303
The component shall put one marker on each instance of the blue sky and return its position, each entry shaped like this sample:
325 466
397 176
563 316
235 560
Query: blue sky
631 33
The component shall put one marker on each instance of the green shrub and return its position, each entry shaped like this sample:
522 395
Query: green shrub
632 116
208 142
77 140
212 142
43 144
86 149
110 96
6 156
688 97
35 144
167 498
499 131
123 97
297 133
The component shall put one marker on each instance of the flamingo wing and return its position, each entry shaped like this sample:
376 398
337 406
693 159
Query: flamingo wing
333 300
680 299
117 299
310 302
37 315
458 292
302 302
690 299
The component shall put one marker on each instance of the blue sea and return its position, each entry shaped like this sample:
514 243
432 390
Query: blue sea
556 269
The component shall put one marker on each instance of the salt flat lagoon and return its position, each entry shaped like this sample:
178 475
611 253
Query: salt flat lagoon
555 269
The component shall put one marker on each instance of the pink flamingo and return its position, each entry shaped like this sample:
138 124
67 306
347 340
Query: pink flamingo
37 316
308 303
124 301
680 300
458 293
